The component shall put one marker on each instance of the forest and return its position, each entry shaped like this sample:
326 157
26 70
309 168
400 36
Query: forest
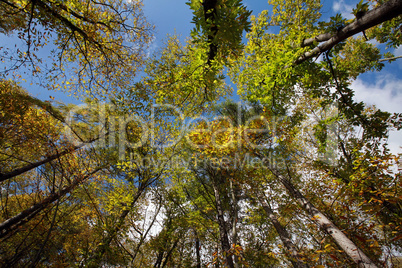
242 145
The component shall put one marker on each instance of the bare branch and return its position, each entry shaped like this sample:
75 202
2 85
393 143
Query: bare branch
389 59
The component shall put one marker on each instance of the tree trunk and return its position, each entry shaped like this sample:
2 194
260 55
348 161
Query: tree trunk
23 217
355 253
48 159
197 249
283 234
222 227
234 222
159 259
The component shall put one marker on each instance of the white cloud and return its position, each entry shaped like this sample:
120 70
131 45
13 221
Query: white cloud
343 8
398 52
385 94
395 142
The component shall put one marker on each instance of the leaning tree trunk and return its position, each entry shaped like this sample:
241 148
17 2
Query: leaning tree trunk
283 234
23 217
355 253
385 12
47 159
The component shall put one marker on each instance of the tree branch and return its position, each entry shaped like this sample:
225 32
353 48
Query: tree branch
385 12
389 59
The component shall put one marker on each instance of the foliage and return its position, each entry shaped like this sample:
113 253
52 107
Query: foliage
97 45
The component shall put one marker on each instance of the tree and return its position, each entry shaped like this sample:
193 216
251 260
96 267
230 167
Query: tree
97 45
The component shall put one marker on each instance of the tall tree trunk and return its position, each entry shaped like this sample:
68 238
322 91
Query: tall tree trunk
23 217
197 249
234 222
222 227
283 234
355 253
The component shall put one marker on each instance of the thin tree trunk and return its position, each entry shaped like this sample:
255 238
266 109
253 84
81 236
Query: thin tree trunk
197 249
159 259
28 167
23 217
283 234
392 58
234 223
